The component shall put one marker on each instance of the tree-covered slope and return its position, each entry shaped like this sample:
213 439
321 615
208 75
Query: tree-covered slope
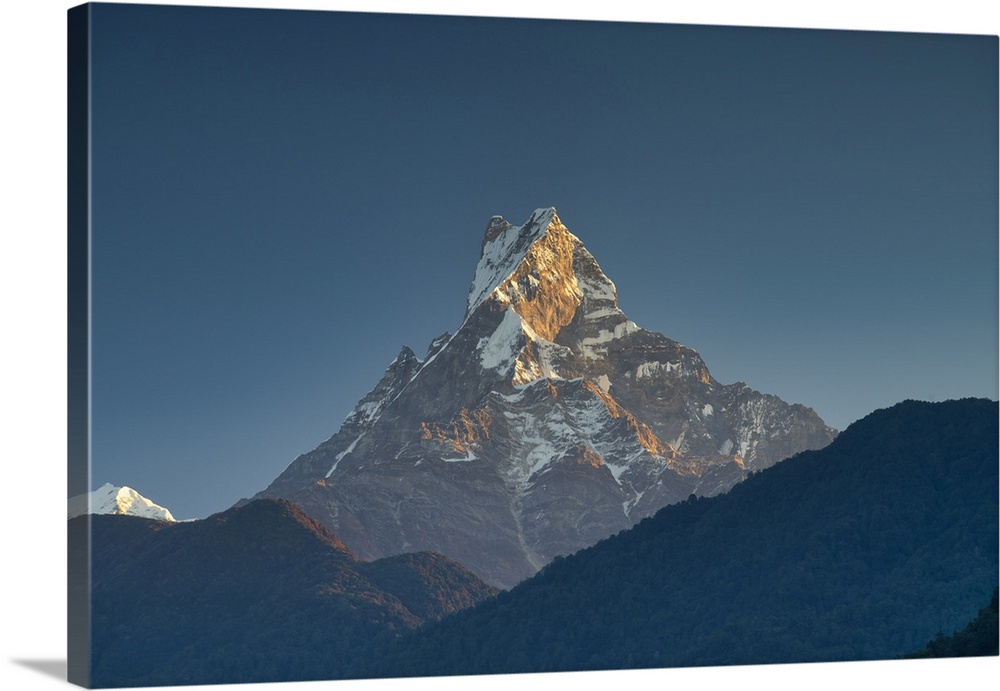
257 593
981 637
863 550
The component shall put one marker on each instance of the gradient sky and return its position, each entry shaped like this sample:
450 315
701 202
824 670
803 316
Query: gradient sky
283 199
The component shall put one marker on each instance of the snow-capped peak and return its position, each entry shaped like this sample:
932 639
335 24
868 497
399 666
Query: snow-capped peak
109 499
547 421
504 247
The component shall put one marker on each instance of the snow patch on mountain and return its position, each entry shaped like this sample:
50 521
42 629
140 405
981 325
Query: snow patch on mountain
498 350
579 419
124 501
619 468
366 411
652 370
600 313
548 355
596 346
505 349
340 456
601 289
436 345
469 456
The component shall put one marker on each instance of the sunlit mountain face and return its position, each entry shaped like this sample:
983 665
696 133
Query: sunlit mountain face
547 421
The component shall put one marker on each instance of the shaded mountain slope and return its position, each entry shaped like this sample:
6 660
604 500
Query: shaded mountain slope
862 550
257 593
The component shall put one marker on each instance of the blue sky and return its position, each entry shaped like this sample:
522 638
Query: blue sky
283 199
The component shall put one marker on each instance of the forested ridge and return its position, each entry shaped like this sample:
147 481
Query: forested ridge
862 550
257 593
980 637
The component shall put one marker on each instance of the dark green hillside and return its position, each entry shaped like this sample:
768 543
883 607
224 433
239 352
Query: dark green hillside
863 550
981 637
256 593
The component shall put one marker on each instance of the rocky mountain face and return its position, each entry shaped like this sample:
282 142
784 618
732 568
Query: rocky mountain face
546 422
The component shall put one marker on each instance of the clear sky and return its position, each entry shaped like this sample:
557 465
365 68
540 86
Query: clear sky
283 199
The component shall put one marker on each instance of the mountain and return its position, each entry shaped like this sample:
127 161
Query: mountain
124 501
862 550
257 593
546 422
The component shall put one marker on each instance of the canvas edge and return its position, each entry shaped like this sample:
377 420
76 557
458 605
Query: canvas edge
78 338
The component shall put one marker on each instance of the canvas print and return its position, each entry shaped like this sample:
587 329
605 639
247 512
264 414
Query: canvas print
408 346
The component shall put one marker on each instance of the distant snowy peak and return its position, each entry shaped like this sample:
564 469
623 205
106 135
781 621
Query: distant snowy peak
109 499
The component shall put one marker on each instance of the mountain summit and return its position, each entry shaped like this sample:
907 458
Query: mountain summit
546 422
125 501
